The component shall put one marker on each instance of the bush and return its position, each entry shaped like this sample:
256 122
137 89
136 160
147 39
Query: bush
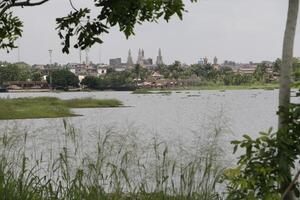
63 79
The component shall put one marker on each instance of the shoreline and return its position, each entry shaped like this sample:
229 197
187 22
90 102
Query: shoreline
209 87
192 88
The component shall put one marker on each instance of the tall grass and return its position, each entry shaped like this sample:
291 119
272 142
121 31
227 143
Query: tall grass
119 167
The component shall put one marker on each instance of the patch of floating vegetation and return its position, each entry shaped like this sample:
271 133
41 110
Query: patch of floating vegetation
145 91
49 107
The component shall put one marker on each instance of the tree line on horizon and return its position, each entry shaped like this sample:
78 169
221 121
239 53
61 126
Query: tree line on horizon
204 74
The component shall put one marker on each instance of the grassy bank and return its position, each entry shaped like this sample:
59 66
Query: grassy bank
207 87
211 87
48 107
239 87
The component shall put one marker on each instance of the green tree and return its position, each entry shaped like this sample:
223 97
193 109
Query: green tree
12 72
36 76
93 82
119 79
63 79
276 65
261 73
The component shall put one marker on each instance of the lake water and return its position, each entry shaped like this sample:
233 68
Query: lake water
183 124
176 118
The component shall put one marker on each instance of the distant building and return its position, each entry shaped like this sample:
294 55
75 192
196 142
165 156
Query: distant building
140 59
247 69
77 68
159 60
129 60
87 70
205 60
201 61
40 67
115 62
215 60
148 62
157 76
216 66
228 63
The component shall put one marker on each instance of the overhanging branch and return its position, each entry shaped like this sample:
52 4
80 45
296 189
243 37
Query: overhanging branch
27 3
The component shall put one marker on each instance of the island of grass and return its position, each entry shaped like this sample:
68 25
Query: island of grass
49 107
149 91
270 86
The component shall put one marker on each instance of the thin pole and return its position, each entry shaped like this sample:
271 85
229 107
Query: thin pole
18 54
50 54
50 75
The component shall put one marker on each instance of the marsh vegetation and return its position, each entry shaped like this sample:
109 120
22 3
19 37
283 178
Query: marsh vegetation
118 166
48 107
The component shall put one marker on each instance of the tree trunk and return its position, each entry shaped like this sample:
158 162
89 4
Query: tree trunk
285 79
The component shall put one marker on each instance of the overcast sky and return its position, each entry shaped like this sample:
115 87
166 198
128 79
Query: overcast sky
239 30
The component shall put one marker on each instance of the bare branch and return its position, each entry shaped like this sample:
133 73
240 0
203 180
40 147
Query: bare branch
28 3
4 9
72 5
288 189
21 4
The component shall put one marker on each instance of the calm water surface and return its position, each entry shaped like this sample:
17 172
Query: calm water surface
179 117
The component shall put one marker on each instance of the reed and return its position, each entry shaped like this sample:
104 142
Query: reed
120 166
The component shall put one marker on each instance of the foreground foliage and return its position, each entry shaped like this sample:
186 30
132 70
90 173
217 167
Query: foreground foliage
118 166
259 174
88 27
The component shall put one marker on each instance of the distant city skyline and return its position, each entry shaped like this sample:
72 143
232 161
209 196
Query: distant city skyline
242 31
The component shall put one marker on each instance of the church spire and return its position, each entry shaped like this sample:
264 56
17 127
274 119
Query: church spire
215 60
129 59
159 60
140 59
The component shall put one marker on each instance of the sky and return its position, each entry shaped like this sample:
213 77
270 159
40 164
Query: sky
238 30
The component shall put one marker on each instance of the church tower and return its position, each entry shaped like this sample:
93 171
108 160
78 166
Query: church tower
215 60
205 60
159 60
140 60
129 59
